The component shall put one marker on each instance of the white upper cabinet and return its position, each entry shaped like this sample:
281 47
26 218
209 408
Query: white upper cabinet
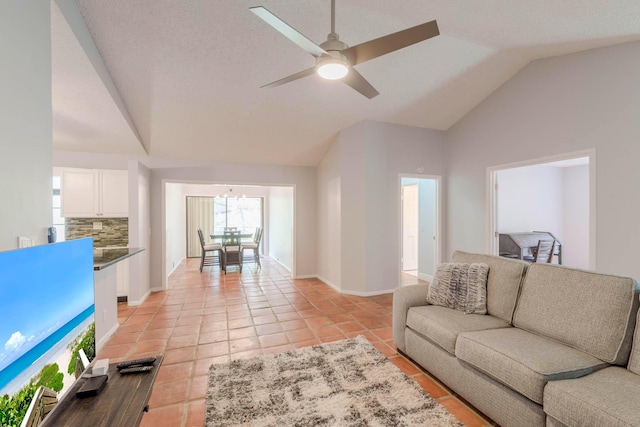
114 188
94 193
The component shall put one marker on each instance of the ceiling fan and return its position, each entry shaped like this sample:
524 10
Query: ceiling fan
335 60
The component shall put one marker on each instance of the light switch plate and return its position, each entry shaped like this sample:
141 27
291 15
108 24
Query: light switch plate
24 242
97 226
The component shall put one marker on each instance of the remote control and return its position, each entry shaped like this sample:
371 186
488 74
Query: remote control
136 362
136 369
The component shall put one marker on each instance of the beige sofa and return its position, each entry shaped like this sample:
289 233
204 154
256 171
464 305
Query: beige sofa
552 349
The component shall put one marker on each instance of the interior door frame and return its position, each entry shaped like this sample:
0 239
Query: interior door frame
265 239
492 243
438 214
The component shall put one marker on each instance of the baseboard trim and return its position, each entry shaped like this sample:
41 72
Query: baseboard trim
425 277
106 337
278 261
328 283
367 294
354 293
174 267
140 301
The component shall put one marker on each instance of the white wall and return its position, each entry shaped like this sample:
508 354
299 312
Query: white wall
175 227
531 198
575 227
366 160
25 122
281 225
218 190
303 178
329 217
558 105
406 150
548 198
73 159
139 233
354 209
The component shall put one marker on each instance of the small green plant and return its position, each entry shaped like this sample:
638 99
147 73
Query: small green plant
51 377
13 408
86 342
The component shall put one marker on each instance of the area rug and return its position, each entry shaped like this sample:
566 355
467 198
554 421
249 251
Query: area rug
344 383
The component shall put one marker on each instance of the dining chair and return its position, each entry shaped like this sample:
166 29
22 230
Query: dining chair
254 246
544 251
231 249
252 238
205 259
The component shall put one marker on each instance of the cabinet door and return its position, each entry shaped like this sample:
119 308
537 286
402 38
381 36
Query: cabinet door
79 193
114 186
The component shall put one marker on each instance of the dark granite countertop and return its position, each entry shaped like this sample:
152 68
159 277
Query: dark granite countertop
105 257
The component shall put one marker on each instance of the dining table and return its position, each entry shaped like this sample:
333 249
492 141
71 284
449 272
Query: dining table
222 236
230 257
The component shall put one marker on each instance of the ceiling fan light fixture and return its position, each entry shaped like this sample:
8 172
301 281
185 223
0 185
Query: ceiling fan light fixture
332 68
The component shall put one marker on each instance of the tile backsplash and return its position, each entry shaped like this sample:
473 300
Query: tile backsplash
114 232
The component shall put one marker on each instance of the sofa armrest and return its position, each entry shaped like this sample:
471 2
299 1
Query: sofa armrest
404 298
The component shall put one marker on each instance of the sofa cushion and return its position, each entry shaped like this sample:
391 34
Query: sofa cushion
503 281
521 360
442 325
634 359
591 312
606 398
462 286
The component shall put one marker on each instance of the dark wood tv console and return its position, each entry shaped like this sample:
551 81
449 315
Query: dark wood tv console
120 403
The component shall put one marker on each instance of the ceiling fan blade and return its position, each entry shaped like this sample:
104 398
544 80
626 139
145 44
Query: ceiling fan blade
296 76
389 43
288 31
359 83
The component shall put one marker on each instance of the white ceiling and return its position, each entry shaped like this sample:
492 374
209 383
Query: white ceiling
189 71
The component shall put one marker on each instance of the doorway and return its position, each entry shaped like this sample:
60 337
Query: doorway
410 229
246 206
419 225
553 195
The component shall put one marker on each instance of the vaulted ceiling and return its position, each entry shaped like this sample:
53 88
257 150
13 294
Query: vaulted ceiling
186 74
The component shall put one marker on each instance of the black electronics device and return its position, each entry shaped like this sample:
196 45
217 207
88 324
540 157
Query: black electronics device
52 235
92 386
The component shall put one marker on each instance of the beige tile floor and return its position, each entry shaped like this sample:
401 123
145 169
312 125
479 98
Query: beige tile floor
209 317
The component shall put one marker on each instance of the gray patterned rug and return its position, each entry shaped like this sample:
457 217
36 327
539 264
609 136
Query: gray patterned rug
344 383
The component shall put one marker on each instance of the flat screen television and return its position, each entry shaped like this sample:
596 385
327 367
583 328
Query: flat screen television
46 302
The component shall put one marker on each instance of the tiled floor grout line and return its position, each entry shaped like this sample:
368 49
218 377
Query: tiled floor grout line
270 306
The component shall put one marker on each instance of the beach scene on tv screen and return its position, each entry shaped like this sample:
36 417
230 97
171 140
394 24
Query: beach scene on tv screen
47 304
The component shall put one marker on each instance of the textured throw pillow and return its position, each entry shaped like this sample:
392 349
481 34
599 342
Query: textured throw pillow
461 286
